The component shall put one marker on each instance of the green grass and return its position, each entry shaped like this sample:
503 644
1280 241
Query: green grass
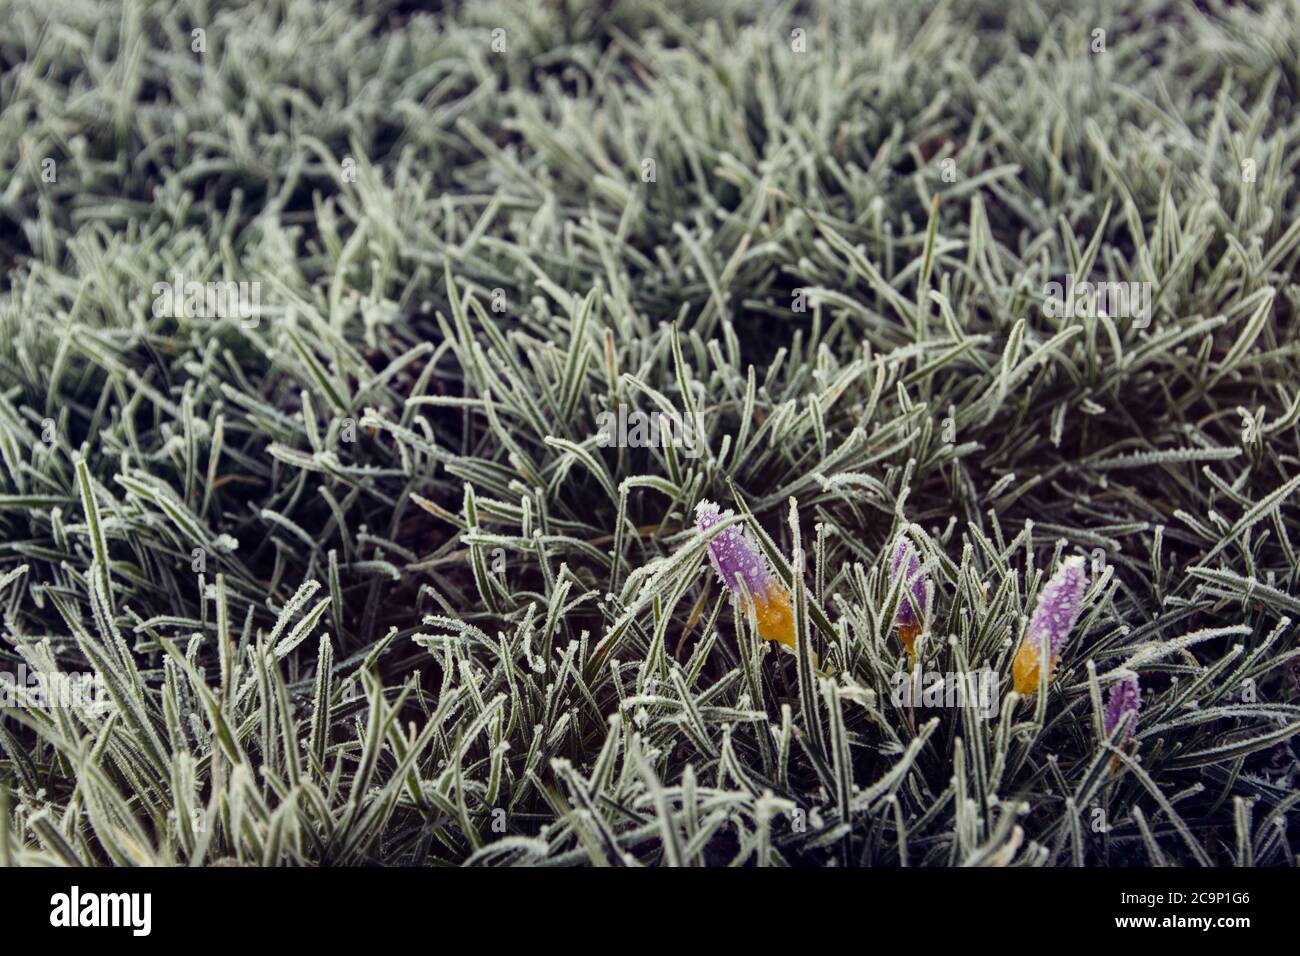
362 583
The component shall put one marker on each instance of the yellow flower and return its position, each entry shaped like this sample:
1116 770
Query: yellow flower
775 615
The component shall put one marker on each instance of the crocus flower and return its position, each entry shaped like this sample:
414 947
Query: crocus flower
1125 698
736 557
1058 607
907 564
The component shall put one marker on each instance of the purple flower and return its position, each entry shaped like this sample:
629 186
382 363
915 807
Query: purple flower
1125 698
733 551
736 557
1058 607
904 553
907 565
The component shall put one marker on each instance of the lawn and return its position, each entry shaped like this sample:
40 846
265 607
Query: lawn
389 398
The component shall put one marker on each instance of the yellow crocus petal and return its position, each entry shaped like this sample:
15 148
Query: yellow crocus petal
1024 671
908 634
775 615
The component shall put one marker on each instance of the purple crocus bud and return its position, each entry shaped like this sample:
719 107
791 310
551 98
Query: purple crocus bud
1058 607
736 557
1125 698
733 552
907 565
